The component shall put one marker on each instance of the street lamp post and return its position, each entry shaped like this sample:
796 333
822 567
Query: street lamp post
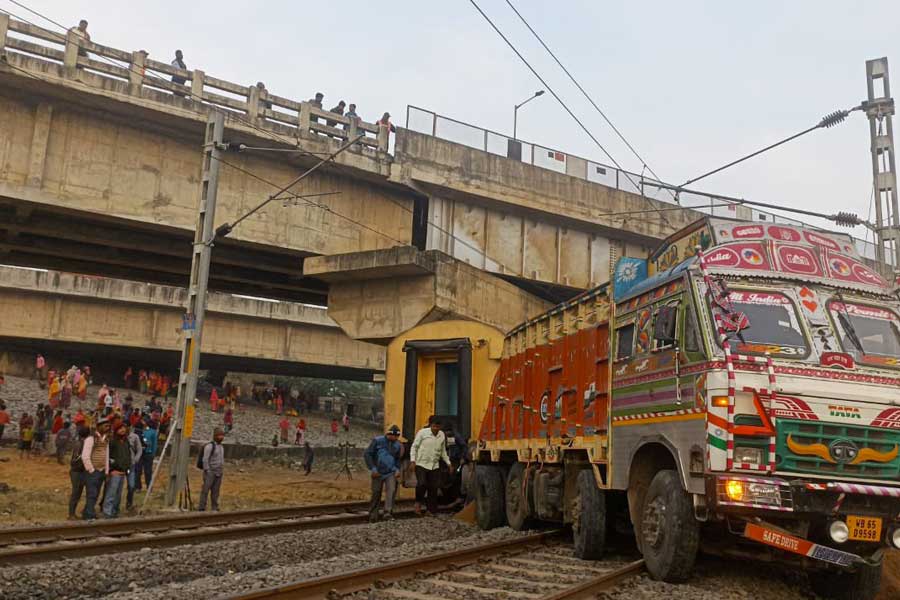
520 105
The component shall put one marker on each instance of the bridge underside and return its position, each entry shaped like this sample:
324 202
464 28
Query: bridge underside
111 361
50 237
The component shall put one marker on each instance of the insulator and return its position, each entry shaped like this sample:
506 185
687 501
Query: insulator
832 119
846 219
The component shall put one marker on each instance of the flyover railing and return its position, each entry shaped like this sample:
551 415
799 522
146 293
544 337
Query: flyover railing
431 123
37 51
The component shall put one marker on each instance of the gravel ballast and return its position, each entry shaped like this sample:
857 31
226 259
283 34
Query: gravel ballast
210 570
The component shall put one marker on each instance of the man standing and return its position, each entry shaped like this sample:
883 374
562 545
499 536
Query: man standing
151 439
119 465
428 450
95 458
76 470
382 458
136 449
213 469
308 458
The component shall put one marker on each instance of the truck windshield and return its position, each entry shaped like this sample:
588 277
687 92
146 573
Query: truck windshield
878 330
774 325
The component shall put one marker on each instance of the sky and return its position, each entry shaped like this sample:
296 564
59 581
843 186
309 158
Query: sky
691 84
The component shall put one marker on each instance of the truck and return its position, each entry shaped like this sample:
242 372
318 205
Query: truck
737 391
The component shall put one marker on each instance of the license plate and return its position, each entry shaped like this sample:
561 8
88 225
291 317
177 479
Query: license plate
864 529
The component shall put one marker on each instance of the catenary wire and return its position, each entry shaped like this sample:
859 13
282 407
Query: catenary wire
558 99
587 96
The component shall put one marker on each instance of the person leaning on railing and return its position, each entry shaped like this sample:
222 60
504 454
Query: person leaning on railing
81 31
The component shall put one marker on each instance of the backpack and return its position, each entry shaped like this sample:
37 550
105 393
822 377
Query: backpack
200 454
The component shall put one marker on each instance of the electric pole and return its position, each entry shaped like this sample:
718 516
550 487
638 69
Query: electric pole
196 307
879 108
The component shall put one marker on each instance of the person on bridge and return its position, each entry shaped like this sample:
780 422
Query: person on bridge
300 437
118 467
383 460
386 121
338 110
82 32
178 63
428 449
213 462
95 457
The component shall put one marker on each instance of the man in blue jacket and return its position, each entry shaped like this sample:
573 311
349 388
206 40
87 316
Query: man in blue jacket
383 460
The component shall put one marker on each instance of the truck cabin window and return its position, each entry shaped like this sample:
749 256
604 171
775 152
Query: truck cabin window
665 327
877 330
774 326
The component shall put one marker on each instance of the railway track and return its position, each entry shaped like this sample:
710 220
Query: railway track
536 567
42 543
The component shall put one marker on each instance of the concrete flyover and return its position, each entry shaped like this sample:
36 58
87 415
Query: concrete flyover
124 321
114 152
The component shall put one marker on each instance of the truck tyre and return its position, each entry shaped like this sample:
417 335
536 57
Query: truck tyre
670 533
490 509
862 584
519 499
589 518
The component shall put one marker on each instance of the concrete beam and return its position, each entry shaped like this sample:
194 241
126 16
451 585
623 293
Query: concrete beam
377 295
487 179
62 307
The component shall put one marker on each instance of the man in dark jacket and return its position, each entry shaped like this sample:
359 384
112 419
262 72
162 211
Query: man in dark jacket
383 460
119 465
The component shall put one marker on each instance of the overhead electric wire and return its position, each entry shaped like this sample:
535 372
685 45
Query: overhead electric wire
829 120
558 99
587 96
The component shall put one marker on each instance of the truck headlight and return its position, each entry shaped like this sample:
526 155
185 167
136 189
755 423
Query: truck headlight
749 491
744 454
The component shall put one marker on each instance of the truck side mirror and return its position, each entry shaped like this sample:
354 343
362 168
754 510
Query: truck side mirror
664 328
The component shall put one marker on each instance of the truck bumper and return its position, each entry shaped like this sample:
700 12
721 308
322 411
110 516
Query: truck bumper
770 535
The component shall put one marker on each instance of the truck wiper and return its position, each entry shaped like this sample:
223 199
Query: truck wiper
847 325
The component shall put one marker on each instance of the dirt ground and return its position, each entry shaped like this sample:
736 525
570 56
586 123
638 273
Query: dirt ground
39 487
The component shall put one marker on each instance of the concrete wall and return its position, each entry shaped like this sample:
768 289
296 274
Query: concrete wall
70 308
378 295
55 153
509 217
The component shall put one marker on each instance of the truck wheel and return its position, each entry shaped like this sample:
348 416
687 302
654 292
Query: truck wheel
862 584
490 507
589 518
669 532
519 500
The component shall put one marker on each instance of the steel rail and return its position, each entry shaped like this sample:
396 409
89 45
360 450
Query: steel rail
127 526
93 538
322 588
590 588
